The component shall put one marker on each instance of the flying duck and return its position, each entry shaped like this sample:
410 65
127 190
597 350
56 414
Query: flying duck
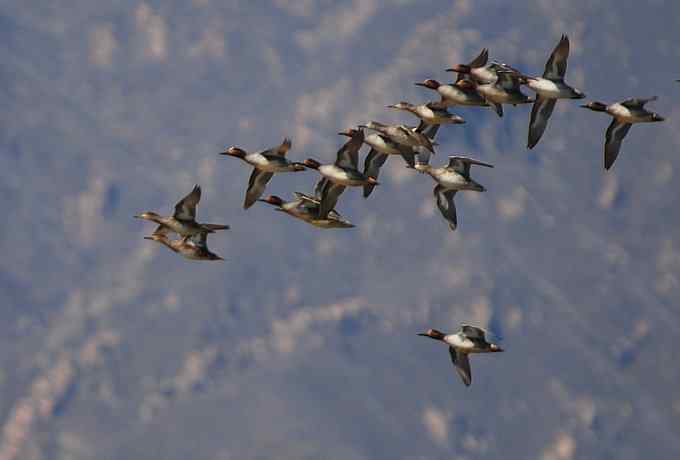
343 173
460 93
450 179
505 90
306 208
625 113
401 134
549 89
467 340
477 69
266 163
432 113
183 221
190 247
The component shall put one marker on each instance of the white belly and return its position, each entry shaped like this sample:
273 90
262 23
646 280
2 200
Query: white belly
547 88
621 113
451 180
380 145
494 94
340 176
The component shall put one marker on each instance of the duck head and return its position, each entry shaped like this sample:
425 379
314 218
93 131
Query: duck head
433 334
429 83
460 68
351 132
235 152
401 106
311 163
495 348
148 216
595 106
273 200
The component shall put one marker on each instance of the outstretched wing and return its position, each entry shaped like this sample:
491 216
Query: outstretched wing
256 185
329 198
612 144
447 207
556 66
185 209
637 103
318 188
540 114
348 155
372 164
462 165
473 333
462 363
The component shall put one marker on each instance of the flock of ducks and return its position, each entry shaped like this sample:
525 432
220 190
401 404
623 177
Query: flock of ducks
479 84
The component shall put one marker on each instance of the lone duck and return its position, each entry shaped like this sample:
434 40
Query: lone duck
549 89
306 208
467 340
460 93
183 221
432 113
450 179
190 247
401 134
343 173
625 113
505 90
477 69
266 163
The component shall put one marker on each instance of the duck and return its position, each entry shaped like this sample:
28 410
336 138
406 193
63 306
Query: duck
183 221
506 89
549 89
625 114
190 247
453 177
306 208
477 69
460 93
401 134
265 163
432 113
468 340
339 175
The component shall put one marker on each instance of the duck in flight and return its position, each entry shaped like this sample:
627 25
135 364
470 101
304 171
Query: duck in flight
469 339
339 175
306 208
183 221
450 179
265 164
549 88
477 69
625 114
190 247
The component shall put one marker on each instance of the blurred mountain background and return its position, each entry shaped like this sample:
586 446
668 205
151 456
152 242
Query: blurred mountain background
302 344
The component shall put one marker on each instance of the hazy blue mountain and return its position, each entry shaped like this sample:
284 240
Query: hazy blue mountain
302 344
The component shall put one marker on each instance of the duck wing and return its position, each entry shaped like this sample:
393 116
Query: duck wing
200 240
462 364
480 60
473 333
612 144
447 207
329 198
185 209
556 66
318 188
279 150
540 114
462 165
372 164
348 155
637 103
256 185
